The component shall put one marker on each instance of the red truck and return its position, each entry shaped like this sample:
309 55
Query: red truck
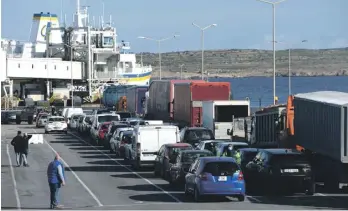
188 99
161 95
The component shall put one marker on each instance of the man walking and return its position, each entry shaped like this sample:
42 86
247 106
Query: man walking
56 179
25 149
16 143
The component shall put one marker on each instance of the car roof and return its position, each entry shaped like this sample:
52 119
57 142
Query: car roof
125 129
56 117
196 151
178 145
282 151
249 149
234 143
217 159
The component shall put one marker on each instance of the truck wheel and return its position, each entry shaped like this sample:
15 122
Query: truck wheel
30 120
18 120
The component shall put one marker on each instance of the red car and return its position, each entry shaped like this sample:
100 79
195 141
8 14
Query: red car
103 129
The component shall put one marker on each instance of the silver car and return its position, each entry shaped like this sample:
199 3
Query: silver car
56 124
41 122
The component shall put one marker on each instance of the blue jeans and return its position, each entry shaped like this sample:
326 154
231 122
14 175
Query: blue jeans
54 189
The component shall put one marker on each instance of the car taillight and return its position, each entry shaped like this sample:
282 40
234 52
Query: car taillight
139 148
240 176
203 177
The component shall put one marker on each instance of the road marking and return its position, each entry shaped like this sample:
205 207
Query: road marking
13 178
253 198
77 177
139 204
130 170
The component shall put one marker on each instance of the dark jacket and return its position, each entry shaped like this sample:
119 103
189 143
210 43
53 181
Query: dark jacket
20 144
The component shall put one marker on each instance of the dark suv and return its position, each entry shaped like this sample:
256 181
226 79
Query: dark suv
279 169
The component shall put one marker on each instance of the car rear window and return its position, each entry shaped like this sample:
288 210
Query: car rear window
174 151
108 118
221 168
192 156
56 119
248 156
288 159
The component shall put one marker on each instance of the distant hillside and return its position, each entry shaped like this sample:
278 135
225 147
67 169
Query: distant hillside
242 63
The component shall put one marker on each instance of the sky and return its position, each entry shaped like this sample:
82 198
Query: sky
241 24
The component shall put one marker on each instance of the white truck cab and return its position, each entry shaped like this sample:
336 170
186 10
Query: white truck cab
148 139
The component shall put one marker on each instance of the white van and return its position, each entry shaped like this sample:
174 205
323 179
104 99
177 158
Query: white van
71 111
148 139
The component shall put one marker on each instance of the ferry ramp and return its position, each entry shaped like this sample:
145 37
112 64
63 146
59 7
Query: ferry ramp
97 180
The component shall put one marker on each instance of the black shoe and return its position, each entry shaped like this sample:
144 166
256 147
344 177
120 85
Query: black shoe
18 166
27 165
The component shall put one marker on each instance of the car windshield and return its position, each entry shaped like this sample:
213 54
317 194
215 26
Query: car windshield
56 119
288 158
107 118
189 157
194 135
76 117
218 168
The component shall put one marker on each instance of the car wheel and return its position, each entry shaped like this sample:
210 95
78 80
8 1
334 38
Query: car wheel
241 198
197 196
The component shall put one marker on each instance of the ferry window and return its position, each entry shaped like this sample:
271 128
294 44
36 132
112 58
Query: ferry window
32 66
108 41
19 65
55 67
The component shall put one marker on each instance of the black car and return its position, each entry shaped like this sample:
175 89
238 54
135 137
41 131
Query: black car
193 135
183 162
247 155
166 156
279 170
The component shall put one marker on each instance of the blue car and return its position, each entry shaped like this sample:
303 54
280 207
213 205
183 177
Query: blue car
218 176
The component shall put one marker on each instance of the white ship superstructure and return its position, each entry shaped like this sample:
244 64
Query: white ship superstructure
85 53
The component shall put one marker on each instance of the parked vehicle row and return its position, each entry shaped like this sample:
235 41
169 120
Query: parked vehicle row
196 160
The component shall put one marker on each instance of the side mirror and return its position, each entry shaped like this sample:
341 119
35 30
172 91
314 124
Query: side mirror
195 144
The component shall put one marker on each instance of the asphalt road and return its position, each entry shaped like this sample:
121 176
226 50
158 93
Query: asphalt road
97 180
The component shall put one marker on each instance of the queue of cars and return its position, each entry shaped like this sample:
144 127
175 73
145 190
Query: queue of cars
194 158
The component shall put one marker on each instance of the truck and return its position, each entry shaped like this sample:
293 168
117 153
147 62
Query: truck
188 97
136 99
321 129
112 94
160 99
219 116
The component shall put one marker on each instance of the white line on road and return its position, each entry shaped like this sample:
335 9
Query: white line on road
130 170
13 178
77 177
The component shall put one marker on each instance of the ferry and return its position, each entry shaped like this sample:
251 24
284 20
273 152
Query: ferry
83 57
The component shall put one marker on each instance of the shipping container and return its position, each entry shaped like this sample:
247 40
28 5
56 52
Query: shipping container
112 94
188 97
321 123
136 99
161 95
267 124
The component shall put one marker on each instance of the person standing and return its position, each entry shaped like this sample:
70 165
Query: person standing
56 179
16 143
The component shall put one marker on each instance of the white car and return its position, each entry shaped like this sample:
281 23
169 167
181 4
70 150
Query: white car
56 124
74 120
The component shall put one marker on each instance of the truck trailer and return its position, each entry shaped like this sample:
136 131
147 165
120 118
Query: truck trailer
321 128
219 116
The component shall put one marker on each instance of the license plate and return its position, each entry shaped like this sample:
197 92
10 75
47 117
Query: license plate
291 170
222 178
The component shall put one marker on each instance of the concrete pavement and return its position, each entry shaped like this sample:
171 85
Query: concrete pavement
97 180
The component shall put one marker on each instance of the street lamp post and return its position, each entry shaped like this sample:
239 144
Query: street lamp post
202 43
273 6
289 67
181 66
72 79
159 48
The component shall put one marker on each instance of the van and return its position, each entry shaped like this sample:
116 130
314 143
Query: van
148 139
71 111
